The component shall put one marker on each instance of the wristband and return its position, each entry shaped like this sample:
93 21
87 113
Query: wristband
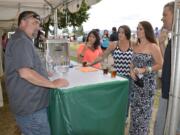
149 69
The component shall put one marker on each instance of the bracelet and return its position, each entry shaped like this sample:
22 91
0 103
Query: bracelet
148 69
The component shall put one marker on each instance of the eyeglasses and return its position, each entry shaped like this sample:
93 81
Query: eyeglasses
34 16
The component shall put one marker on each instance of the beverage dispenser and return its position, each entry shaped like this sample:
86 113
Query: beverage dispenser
57 55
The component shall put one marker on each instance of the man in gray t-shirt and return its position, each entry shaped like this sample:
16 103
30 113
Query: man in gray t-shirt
26 79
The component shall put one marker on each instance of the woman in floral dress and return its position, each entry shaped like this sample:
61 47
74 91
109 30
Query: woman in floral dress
146 60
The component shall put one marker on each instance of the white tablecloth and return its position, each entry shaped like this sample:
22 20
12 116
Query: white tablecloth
78 78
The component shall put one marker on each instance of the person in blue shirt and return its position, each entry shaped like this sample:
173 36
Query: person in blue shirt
105 40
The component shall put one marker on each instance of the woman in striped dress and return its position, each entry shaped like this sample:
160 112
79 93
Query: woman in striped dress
121 51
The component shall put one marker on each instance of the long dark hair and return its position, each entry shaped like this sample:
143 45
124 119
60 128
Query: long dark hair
127 31
97 42
149 32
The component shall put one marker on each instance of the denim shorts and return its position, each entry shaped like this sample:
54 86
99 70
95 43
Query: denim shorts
34 124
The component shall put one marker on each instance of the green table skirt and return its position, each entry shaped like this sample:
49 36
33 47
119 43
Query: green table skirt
97 109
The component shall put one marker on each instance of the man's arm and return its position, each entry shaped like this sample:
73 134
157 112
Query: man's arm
35 78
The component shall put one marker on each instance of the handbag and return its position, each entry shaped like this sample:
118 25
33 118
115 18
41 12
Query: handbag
139 81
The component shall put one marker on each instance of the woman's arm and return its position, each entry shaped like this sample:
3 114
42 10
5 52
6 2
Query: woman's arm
133 72
104 55
156 53
157 56
158 60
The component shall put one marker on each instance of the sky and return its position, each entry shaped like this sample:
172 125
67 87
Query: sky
109 13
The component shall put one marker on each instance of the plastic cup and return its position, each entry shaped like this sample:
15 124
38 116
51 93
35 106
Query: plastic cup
113 72
105 71
84 64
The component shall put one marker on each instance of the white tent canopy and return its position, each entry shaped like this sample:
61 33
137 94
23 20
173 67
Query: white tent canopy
10 9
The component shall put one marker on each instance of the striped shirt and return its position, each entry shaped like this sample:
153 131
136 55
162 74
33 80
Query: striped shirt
122 61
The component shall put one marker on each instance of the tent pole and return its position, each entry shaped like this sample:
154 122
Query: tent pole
55 23
174 95
54 12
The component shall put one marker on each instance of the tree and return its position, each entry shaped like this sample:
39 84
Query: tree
80 31
65 30
66 18
74 19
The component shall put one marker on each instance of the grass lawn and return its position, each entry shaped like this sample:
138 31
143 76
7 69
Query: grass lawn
73 58
73 48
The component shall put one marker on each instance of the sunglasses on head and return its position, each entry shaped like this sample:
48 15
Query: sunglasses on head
33 16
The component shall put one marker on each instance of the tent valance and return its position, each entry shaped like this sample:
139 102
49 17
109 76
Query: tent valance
10 9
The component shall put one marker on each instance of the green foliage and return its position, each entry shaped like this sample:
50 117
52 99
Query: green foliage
66 18
65 30
80 31
46 27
